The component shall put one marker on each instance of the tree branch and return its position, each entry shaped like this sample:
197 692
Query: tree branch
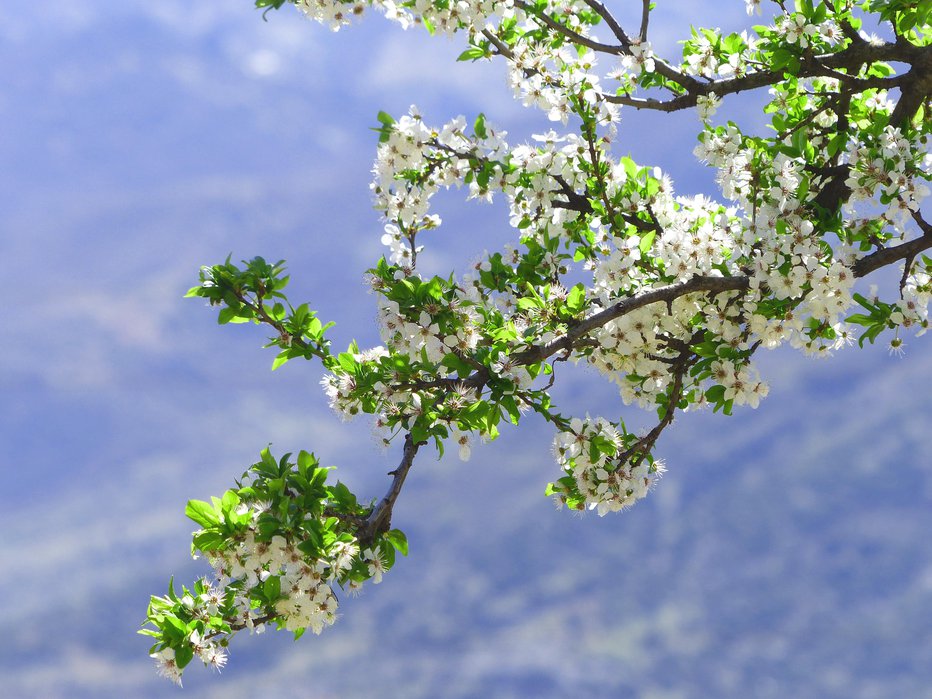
916 82
287 338
916 89
576 333
661 66
610 20
667 294
644 445
380 519
573 36
645 19
887 256
498 44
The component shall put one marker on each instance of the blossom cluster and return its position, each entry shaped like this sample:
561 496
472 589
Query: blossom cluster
446 17
414 161
280 546
588 452
890 169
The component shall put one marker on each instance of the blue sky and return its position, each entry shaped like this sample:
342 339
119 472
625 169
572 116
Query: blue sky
785 552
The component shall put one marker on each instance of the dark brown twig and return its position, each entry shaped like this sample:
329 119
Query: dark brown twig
887 256
380 519
645 19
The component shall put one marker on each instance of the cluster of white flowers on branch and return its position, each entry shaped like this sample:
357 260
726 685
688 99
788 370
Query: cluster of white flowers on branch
278 544
589 453
669 296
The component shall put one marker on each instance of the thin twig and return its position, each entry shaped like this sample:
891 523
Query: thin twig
499 44
645 18
887 256
670 292
610 20
643 446
573 36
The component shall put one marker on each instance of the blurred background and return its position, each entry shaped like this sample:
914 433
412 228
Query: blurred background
786 552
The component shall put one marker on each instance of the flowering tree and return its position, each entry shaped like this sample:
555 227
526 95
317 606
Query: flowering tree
668 296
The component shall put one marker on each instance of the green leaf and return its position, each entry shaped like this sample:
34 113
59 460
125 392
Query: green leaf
526 304
511 407
473 53
183 655
869 305
837 143
646 241
387 124
715 394
281 358
576 299
479 127
343 496
272 588
306 460
388 553
226 315
871 334
385 118
174 628
269 460
860 319
208 541
397 539
202 512
230 501
456 363
348 362
419 433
